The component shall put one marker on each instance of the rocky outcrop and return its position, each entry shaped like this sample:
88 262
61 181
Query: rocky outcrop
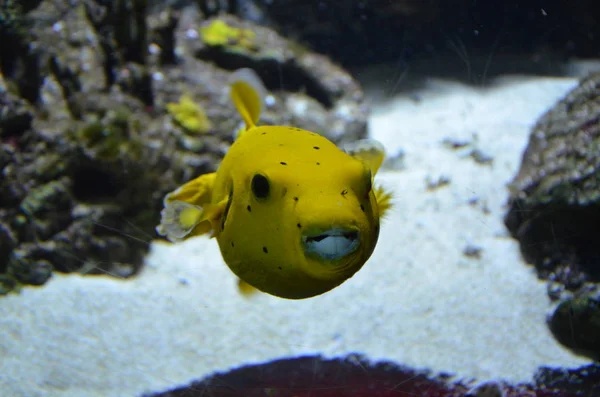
555 211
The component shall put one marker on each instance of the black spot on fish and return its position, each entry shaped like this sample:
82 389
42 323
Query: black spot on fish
362 207
265 250
299 226
264 133
295 198
249 208
318 163
232 244
344 192
282 163
316 147
279 267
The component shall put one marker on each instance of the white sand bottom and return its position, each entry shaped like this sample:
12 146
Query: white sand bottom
418 301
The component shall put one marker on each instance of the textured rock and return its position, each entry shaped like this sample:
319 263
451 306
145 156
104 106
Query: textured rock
576 322
87 146
555 212
555 197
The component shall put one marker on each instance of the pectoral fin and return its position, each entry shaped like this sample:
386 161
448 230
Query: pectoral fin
369 151
188 210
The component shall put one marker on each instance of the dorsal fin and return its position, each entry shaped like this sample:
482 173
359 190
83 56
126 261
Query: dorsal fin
369 151
247 93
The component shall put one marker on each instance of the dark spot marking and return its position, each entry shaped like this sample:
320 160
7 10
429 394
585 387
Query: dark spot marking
362 207
249 208
281 144
316 147
299 226
295 198
279 267
264 133
282 163
344 192
318 163
284 192
265 250
232 244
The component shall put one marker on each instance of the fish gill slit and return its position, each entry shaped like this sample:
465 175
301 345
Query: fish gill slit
227 207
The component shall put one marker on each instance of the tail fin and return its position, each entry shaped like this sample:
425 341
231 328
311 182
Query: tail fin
247 93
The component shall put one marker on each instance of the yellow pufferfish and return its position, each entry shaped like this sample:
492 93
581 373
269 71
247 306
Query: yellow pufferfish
294 215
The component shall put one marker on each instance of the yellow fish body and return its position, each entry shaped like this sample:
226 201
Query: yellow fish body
294 215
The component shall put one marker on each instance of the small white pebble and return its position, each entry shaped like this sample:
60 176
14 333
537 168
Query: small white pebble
270 100
57 27
191 33
154 49
157 76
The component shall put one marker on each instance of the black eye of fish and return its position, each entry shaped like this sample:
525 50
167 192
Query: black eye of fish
260 186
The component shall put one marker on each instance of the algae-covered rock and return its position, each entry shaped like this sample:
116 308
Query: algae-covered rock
88 145
555 197
308 90
576 322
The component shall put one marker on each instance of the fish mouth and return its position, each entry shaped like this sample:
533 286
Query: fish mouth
331 244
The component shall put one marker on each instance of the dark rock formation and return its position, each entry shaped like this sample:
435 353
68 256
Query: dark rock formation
576 322
87 146
555 212
555 198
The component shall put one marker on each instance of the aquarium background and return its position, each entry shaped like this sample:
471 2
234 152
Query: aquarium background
485 279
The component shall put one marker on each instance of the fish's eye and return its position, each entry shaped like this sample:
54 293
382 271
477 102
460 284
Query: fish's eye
260 186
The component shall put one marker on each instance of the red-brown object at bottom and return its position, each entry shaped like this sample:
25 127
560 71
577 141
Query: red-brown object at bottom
354 376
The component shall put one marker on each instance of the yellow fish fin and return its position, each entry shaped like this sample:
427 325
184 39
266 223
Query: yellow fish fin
247 94
369 151
198 191
188 212
180 220
384 200
246 289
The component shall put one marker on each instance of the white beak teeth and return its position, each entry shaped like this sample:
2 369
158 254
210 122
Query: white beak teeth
332 244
